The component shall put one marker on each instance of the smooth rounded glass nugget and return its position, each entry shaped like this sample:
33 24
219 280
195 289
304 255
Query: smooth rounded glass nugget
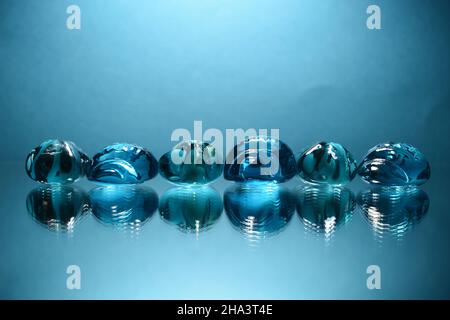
326 163
191 162
57 161
395 164
260 158
123 163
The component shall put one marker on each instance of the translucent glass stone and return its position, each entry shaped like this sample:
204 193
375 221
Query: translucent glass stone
123 163
56 161
392 211
326 163
260 158
259 209
123 206
324 208
191 162
57 207
191 209
395 164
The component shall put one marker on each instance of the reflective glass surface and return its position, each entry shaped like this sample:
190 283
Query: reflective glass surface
288 241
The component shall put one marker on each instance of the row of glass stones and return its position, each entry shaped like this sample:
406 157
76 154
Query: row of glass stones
192 162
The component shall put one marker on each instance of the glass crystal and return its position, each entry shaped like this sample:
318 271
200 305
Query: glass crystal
191 209
259 209
123 163
56 161
393 210
191 162
123 206
395 164
57 207
260 158
327 163
324 208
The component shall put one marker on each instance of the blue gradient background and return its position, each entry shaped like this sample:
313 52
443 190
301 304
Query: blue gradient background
137 70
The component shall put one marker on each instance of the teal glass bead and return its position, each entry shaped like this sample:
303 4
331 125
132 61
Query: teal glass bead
393 211
57 207
395 164
260 158
123 163
57 161
324 208
259 209
191 209
326 163
123 206
191 162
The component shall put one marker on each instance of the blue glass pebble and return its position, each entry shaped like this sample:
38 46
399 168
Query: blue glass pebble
56 161
327 163
191 162
395 164
123 163
248 159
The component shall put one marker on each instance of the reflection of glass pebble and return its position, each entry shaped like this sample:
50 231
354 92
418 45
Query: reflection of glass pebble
191 209
393 210
259 209
123 206
323 209
58 207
